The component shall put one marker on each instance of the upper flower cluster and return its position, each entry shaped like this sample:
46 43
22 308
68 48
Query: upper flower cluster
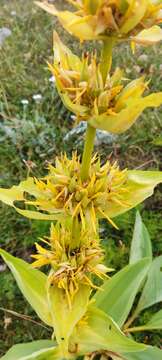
121 19
107 102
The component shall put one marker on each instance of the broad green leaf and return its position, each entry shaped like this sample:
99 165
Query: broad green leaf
99 332
154 324
124 119
65 316
152 292
140 185
36 350
149 36
151 353
119 292
32 284
141 243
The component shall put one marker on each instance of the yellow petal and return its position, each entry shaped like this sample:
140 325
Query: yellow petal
124 119
134 89
149 36
64 56
140 186
47 7
74 24
134 15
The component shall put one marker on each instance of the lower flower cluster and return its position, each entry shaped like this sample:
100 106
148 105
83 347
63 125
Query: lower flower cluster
75 258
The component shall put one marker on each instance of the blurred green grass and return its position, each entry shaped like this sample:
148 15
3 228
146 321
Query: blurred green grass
35 134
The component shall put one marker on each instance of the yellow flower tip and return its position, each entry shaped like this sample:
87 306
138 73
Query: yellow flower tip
133 47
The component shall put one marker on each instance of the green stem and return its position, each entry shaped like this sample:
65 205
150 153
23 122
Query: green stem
87 153
136 329
106 57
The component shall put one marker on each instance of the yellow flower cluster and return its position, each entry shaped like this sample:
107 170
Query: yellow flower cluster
121 19
74 257
111 103
62 190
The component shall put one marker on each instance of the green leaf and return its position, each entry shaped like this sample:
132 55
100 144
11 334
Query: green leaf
151 353
65 317
152 292
141 244
32 284
119 292
154 324
37 350
140 185
99 332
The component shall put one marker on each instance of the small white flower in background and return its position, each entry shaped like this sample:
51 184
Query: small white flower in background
37 98
160 67
52 79
4 34
73 117
24 102
13 13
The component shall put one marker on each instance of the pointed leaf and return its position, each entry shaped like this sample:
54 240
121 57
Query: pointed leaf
151 353
140 185
32 284
152 292
99 332
155 323
124 119
65 317
119 292
36 350
141 244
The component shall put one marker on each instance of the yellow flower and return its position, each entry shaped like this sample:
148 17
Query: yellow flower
62 195
109 105
74 257
120 19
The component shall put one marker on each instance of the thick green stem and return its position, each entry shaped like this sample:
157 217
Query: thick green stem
87 153
106 57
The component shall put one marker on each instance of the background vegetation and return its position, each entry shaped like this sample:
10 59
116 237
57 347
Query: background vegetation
31 135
